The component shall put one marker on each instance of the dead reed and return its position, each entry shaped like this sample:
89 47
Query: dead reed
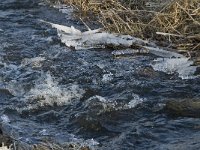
177 22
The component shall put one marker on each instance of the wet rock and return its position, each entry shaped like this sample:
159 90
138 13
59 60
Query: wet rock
147 72
89 123
85 148
184 108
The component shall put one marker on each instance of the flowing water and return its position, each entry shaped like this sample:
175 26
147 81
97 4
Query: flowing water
49 92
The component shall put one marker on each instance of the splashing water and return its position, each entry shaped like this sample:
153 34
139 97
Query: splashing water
107 77
48 92
134 102
121 106
108 105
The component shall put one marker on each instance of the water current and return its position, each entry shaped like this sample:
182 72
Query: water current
53 94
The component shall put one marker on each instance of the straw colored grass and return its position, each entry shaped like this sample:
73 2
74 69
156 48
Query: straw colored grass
177 22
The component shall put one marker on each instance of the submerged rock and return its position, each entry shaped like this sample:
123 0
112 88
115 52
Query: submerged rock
148 72
184 108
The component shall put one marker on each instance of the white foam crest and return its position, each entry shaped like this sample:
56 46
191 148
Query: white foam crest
48 92
108 105
5 118
79 143
134 102
183 66
107 77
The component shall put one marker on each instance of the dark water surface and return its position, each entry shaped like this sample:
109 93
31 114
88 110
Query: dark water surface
51 93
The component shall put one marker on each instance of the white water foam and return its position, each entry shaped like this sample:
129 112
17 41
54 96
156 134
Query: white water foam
45 91
5 118
182 66
13 74
78 143
107 77
134 102
48 92
108 105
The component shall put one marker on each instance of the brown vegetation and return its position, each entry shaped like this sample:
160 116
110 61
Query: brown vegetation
177 21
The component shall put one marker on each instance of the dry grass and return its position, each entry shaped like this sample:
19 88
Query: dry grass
177 21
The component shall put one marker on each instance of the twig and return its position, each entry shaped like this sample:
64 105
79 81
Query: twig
169 34
198 45
188 14
88 28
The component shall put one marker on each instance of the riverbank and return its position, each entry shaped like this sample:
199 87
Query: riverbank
172 24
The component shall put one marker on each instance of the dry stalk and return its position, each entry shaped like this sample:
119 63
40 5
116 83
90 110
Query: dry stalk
178 19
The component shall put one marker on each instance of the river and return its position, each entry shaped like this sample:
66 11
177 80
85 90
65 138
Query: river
87 98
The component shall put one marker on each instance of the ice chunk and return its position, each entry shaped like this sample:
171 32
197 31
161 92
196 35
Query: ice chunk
183 66
163 53
72 37
67 30
129 52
